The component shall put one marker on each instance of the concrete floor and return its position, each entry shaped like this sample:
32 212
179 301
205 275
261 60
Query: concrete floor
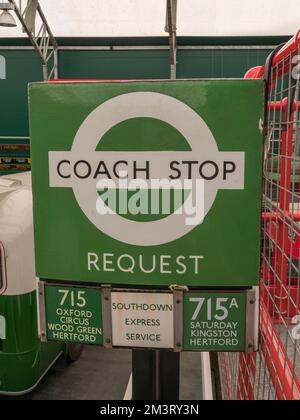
190 376
100 374
104 374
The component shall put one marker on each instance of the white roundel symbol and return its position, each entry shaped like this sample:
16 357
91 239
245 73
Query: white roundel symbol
148 105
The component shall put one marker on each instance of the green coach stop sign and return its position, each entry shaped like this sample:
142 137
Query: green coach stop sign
148 183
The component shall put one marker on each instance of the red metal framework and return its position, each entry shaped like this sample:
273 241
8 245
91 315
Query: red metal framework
274 372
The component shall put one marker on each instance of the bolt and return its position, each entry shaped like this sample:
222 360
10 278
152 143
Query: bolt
178 344
178 301
108 341
252 302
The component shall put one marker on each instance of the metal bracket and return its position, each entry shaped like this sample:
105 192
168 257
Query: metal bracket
178 296
42 311
106 316
252 321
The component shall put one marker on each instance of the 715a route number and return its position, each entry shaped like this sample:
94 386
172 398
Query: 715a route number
217 309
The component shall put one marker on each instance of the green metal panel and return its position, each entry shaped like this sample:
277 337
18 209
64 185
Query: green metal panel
228 239
218 63
21 67
155 64
157 40
114 64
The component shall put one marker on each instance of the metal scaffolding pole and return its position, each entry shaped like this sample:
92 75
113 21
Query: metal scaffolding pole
42 39
171 20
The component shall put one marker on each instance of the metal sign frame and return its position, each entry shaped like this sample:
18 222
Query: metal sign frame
251 325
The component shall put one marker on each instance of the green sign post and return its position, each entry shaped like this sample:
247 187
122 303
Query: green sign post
149 184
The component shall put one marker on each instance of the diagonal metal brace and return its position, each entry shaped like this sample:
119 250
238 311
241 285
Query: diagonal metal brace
42 39
171 22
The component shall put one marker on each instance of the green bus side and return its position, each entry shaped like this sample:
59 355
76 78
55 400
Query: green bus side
24 359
